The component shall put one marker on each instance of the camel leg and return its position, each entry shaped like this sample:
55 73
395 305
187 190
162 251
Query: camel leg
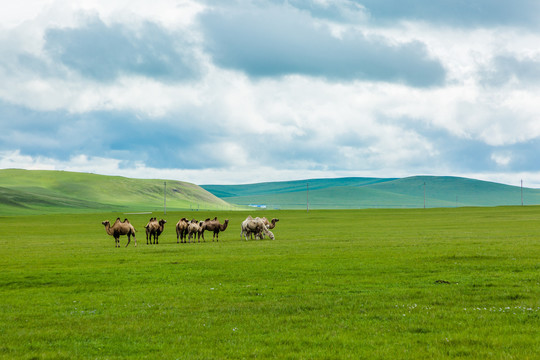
129 239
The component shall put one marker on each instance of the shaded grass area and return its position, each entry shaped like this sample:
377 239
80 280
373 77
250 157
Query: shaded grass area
435 283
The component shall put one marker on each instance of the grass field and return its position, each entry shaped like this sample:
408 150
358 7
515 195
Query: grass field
350 284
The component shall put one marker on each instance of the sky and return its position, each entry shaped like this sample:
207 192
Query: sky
244 91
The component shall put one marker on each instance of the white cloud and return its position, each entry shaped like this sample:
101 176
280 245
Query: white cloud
501 159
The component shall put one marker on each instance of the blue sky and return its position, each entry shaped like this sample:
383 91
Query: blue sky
246 91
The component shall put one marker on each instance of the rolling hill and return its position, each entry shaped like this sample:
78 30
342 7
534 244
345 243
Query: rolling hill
37 192
349 193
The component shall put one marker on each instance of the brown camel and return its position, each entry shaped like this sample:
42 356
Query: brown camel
214 226
270 224
181 230
120 228
147 228
154 228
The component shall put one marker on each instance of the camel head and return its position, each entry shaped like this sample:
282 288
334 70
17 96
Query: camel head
106 222
223 226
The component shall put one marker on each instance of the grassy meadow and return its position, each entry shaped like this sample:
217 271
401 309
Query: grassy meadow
340 284
31 192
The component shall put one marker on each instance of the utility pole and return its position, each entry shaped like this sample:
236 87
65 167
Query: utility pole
424 194
307 197
521 192
165 198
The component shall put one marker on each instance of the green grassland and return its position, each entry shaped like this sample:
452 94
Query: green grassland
335 284
357 193
35 192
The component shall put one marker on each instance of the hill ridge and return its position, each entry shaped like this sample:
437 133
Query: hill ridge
365 192
46 191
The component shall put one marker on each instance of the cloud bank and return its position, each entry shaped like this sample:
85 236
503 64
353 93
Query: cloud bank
250 91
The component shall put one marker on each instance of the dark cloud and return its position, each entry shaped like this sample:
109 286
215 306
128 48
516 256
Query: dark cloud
35 133
345 11
462 13
277 41
104 52
161 143
466 13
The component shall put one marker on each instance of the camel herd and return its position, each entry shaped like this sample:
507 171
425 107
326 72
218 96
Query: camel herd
188 230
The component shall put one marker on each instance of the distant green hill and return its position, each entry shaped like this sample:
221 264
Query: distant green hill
37 192
34 192
352 193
